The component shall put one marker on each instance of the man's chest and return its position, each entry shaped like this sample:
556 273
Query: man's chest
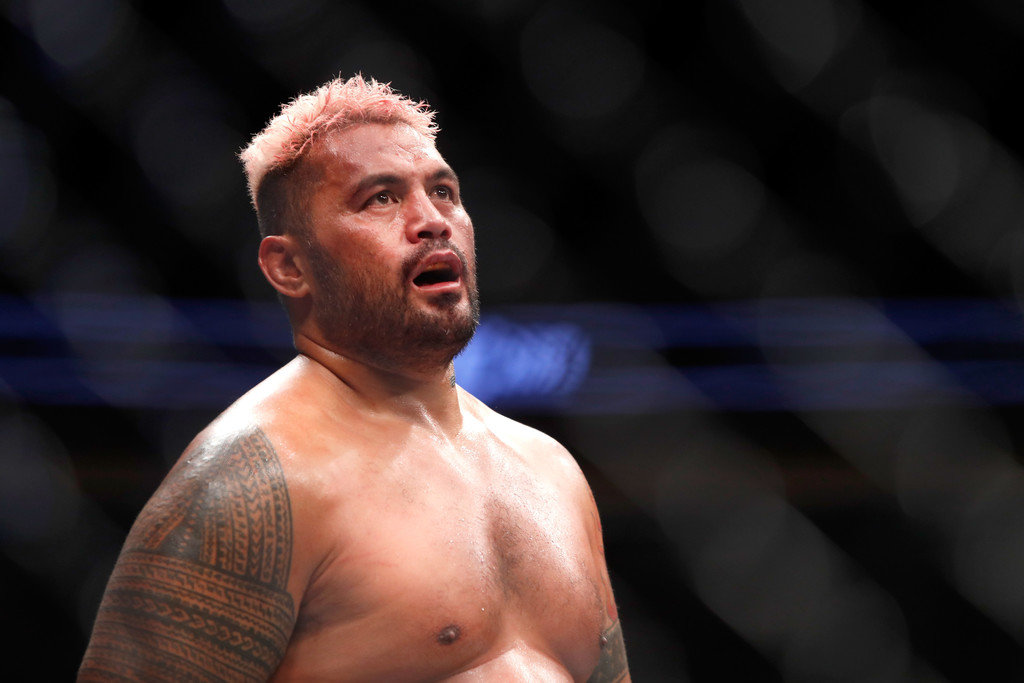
445 569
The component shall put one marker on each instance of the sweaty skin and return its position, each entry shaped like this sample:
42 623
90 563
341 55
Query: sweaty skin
357 516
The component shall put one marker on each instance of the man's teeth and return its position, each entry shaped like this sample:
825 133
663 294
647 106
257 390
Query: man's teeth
435 266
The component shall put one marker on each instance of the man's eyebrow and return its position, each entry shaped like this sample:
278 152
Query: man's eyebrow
375 180
445 173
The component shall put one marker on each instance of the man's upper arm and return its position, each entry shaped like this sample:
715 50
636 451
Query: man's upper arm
613 666
199 591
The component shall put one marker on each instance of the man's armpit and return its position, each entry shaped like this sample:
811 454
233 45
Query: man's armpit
199 592
612 666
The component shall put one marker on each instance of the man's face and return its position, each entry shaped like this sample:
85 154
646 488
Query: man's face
391 249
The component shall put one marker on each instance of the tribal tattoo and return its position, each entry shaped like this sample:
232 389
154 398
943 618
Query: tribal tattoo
612 667
199 591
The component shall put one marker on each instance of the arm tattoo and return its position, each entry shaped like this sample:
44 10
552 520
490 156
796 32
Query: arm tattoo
199 591
612 666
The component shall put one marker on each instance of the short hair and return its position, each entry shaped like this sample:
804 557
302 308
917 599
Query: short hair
275 152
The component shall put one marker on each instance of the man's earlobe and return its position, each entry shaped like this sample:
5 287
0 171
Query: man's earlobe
280 266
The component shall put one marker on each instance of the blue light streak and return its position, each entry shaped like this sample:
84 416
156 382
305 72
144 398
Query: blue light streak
153 353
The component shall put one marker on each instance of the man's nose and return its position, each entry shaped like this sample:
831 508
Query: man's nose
424 220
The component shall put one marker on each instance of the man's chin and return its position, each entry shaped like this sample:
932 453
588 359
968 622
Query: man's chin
443 300
450 331
449 310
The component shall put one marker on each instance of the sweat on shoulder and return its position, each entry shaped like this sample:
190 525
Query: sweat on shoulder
358 516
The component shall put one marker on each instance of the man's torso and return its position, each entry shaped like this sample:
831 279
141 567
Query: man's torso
427 558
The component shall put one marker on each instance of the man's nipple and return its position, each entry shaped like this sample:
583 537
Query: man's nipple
449 634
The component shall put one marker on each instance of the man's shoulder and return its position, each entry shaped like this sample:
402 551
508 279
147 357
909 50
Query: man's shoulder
505 427
538 449
247 470
269 422
222 463
283 407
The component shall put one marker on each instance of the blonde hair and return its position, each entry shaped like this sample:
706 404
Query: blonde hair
335 105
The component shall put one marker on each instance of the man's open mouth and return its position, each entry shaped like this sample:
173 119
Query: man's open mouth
437 270
436 273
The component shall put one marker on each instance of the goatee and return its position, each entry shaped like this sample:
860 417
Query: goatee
372 316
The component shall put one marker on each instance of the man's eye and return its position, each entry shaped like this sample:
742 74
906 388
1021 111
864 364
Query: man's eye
445 193
380 199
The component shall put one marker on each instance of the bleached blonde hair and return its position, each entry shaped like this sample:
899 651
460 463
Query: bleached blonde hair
335 105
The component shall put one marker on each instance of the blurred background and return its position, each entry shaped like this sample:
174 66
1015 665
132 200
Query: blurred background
756 264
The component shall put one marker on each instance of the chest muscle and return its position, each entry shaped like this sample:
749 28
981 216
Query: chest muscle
445 583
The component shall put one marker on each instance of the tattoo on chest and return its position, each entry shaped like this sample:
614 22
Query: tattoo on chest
199 592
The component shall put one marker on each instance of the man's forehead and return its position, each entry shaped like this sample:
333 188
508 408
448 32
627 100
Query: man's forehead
375 147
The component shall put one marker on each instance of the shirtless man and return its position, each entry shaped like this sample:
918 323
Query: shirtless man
357 515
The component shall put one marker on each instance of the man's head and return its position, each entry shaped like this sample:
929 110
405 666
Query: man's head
365 234
273 159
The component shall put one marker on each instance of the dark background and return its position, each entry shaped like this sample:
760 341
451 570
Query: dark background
757 264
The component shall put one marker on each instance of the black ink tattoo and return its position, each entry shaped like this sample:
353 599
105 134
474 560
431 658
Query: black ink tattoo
199 591
612 666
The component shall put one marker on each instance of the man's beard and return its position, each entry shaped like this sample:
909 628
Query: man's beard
370 316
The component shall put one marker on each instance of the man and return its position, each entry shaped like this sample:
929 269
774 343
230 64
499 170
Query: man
357 515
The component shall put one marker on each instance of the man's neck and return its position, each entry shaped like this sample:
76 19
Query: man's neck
427 395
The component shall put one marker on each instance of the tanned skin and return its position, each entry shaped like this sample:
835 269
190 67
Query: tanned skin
357 516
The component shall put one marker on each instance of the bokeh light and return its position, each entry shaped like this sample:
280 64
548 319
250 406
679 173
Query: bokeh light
577 67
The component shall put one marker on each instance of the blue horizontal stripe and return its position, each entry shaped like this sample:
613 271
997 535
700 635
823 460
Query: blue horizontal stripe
761 323
812 386
156 353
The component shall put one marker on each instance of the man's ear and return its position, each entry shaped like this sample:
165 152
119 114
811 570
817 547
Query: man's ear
280 264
